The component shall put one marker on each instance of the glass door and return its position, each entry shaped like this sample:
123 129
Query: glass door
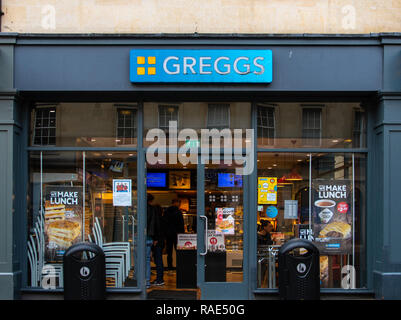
222 238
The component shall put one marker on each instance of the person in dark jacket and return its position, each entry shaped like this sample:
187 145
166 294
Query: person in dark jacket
264 237
264 240
158 245
174 224
153 234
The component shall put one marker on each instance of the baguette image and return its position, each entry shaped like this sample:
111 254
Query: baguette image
54 212
337 229
63 232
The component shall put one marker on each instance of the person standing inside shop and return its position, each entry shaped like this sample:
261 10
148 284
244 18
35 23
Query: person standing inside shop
153 228
158 245
174 225
264 240
264 236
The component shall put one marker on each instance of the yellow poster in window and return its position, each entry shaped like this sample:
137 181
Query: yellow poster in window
267 190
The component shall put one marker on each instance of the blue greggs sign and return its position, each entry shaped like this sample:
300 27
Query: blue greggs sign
201 66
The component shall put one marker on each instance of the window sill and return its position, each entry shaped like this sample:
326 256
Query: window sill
109 290
324 290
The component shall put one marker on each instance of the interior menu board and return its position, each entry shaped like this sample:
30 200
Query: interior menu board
179 180
332 216
63 220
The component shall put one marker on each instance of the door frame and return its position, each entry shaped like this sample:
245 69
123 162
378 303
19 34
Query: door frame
221 290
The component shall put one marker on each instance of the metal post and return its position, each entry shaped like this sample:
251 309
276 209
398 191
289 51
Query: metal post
353 210
310 193
83 195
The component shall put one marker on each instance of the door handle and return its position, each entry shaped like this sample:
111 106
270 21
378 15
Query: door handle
206 231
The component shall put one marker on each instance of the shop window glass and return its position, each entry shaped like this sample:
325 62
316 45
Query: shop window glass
359 129
195 116
218 116
266 124
340 125
311 126
72 200
167 113
319 197
44 126
126 126
85 125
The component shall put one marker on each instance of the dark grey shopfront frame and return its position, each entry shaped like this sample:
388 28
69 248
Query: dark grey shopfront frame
50 68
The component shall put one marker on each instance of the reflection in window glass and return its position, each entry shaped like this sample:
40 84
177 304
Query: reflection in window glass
266 124
195 116
44 122
126 126
84 125
328 210
64 210
326 125
167 113
311 126
218 116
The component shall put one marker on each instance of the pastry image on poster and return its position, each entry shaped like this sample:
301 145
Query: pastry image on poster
225 221
332 217
63 220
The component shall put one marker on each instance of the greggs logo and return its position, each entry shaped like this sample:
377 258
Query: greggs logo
191 66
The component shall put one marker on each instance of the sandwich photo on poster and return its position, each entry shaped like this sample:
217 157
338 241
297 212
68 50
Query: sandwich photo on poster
63 220
225 220
332 216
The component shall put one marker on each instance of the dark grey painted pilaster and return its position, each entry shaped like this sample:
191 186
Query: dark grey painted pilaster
12 188
12 196
385 236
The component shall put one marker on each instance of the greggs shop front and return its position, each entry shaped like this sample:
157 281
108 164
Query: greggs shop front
232 144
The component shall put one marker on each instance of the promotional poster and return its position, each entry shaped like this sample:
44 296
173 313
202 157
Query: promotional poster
215 241
332 216
122 192
186 241
225 220
63 220
267 190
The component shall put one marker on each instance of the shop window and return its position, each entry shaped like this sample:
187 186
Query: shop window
266 124
359 129
126 125
329 125
44 130
218 116
311 126
320 197
195 116
87 125
167 113
74 198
